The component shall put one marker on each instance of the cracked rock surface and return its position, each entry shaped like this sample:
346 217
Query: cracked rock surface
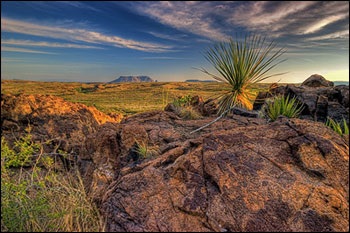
238 174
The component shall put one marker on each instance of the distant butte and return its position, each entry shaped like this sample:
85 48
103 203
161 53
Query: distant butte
134 79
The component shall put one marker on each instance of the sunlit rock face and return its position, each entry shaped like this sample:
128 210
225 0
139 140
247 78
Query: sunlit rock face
47 117
240 174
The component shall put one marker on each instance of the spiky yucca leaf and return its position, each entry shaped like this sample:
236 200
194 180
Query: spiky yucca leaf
337 126
283 106
346 127
241 64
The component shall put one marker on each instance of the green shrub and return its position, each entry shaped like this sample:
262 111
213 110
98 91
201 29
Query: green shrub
40 199
336 126
182 101
25 150
283 106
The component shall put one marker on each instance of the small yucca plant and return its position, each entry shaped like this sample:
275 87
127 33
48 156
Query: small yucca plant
283 106
336 126
241 64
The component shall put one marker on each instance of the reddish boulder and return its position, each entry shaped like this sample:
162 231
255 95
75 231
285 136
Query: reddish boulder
235 175
52 118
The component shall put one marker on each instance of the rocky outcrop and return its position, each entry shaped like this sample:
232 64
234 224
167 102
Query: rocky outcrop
135 79
319 97
63 123
238 174
317 80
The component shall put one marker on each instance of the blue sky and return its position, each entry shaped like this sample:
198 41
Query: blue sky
99 41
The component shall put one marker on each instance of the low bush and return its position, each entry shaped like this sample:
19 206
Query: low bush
35 197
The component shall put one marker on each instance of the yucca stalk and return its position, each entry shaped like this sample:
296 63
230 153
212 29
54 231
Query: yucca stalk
242 64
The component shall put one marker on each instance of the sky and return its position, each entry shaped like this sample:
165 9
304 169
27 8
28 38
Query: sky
99 41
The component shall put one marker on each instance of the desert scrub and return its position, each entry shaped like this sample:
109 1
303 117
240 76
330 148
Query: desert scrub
188 113
337 127
184 109
145 151
282 106
35 198
182 101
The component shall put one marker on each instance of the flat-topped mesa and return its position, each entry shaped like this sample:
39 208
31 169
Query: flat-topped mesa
134 79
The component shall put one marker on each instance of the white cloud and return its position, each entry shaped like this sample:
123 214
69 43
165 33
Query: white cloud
75 34
46 44
263 16
191 17
314 27
22 50
289 17
335 35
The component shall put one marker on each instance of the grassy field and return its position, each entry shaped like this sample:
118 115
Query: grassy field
124 98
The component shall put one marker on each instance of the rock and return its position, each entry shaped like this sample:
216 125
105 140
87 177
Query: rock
52 118
111 146
317 80
208 108
343 95
337 112
290 175
260 99
245 113
238 174
319 100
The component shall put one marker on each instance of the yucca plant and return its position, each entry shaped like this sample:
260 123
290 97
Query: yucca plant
242 64
336 126
283 106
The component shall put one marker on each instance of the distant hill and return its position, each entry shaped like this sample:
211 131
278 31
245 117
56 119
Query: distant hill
134 79
336 83
196 81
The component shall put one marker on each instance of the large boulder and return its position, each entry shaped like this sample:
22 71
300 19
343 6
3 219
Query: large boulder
238 174
317 80
64 125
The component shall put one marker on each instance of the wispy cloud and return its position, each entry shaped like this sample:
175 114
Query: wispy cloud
167 36
193 17
344 34
80 5
314 27
164 58
46 44
218 20
75 34
289 18
22 50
